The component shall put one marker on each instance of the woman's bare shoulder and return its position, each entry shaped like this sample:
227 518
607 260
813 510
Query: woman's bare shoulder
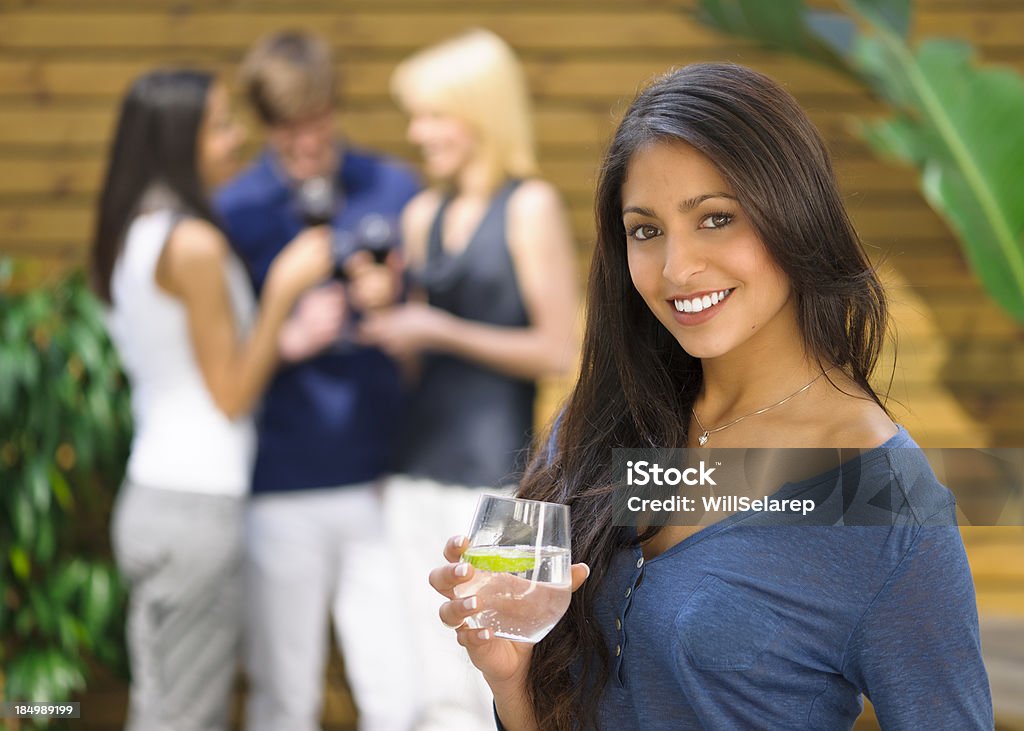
536 196
195 242
193 257
851 419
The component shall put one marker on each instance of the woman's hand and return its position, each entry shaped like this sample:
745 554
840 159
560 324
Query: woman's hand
305 261
373 286
503 663
315 322
406 330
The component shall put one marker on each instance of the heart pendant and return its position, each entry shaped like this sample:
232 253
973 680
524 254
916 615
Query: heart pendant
703 439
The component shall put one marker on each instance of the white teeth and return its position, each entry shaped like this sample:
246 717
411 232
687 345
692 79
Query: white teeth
697 304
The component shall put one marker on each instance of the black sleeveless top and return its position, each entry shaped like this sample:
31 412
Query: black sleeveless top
467 424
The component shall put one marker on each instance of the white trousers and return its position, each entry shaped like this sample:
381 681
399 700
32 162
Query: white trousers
311 554
421 515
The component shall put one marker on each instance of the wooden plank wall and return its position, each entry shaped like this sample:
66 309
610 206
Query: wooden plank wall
63 64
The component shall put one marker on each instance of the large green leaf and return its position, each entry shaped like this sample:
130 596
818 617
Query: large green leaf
893 15
780 24
956 122
959 125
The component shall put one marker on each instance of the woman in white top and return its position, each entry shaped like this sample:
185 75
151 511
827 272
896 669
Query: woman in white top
197 356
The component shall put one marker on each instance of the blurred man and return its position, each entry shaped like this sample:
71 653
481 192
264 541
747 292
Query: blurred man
315 538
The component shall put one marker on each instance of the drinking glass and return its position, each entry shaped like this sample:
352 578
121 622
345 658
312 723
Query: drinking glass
520 550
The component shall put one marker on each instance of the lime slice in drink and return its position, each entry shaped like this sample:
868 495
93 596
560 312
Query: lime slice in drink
500 560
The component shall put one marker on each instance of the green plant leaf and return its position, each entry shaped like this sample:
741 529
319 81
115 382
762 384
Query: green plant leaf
47 400
8 383
23 364
82 439
86 345
958 123
835 30
23 520
42 609
893 15
38 485
61 489
67 580
874 58
782 24
44 675
46 543
99 599
20 564
72 634
955 126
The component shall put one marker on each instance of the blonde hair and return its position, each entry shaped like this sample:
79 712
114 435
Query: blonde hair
288 76
477 78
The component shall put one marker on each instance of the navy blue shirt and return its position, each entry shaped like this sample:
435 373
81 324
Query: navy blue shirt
329 420
748 625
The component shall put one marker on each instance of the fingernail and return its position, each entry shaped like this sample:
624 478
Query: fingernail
462 569
457 541
484 634
469 603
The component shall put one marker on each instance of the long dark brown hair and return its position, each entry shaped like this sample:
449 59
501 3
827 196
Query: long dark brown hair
636 384
156 141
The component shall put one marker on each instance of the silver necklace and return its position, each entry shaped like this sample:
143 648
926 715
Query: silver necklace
703 438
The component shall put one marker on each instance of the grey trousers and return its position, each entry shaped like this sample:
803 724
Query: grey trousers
180 553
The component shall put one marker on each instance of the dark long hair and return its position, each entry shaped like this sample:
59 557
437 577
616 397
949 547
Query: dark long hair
636 384
156 141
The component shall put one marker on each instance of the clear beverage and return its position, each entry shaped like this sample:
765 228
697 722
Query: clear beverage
524 589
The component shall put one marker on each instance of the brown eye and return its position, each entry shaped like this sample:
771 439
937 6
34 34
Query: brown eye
643 232
716 220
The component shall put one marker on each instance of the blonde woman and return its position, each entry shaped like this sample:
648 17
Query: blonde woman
490 251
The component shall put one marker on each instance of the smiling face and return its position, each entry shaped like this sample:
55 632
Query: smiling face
307 147
697 261
446 142
220 139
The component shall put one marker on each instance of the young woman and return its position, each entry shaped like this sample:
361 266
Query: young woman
490 249
731 304
181 316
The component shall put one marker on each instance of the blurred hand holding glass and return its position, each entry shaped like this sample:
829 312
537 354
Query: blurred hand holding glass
520 550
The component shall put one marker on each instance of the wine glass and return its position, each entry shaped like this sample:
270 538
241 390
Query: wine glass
520 551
